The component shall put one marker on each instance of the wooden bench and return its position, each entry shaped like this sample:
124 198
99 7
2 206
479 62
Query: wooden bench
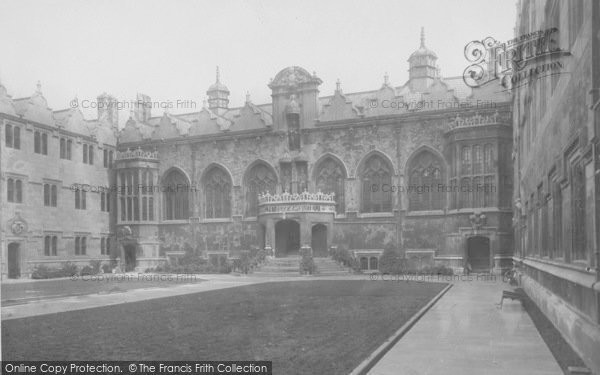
510 295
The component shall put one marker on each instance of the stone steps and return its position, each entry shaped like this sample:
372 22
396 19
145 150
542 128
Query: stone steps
280 267
329 267
290 266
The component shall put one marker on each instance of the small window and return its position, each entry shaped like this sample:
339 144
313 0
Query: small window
10 190
47 249
54 245
36 143
91 155
46 195
63 148
85 154
53 196
17 138
18 191
12 136
69 147
44 144
8 135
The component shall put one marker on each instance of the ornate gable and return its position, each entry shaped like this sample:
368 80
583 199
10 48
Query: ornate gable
338 108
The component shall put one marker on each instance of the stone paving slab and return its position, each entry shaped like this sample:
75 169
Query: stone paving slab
466 333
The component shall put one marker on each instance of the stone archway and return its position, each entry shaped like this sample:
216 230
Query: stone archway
287 238
14 260
479 254
318 240
130 257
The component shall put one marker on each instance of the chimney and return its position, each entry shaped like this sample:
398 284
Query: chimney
108 110
142 108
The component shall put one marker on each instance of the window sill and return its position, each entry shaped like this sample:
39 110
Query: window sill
375 214
217 220
425 213
177 221
575 274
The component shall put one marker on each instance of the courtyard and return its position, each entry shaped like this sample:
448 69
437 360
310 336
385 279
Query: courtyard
316 326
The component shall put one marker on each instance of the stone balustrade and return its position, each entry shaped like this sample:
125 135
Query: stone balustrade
303 202
137 154
478 120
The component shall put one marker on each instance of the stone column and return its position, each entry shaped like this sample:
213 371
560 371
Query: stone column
305 232
270 235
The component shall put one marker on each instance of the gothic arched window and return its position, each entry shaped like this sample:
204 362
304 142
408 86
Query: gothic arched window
330 178
465 156
176 196
425 182
259 179
376 178
487 157
217 194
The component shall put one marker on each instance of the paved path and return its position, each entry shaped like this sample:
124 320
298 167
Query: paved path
465 333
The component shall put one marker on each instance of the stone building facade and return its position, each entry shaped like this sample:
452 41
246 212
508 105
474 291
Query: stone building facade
48 161
423 167
556 128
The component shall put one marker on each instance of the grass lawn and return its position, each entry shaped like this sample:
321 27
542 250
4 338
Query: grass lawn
304 327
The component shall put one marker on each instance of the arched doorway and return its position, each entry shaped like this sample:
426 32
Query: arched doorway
287 238
478 254
14 261
319 240
130 257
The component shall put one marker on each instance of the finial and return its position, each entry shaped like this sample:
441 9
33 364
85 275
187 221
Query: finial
338 85
386 79
247 96
422 36
218 75
39 87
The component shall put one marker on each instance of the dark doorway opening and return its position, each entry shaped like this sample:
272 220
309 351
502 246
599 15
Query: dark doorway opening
130 258
14 261
287 238
478 254
318 240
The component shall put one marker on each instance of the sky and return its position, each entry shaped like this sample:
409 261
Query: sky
169 50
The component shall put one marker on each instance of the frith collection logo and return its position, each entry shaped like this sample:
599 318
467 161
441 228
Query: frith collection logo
516 62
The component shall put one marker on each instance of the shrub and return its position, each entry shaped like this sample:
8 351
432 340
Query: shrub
244 262
438 270
96 265
86 271
392 262
68 269
307 264
106 268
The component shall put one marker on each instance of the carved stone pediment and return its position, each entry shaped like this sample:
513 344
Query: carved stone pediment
18 226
